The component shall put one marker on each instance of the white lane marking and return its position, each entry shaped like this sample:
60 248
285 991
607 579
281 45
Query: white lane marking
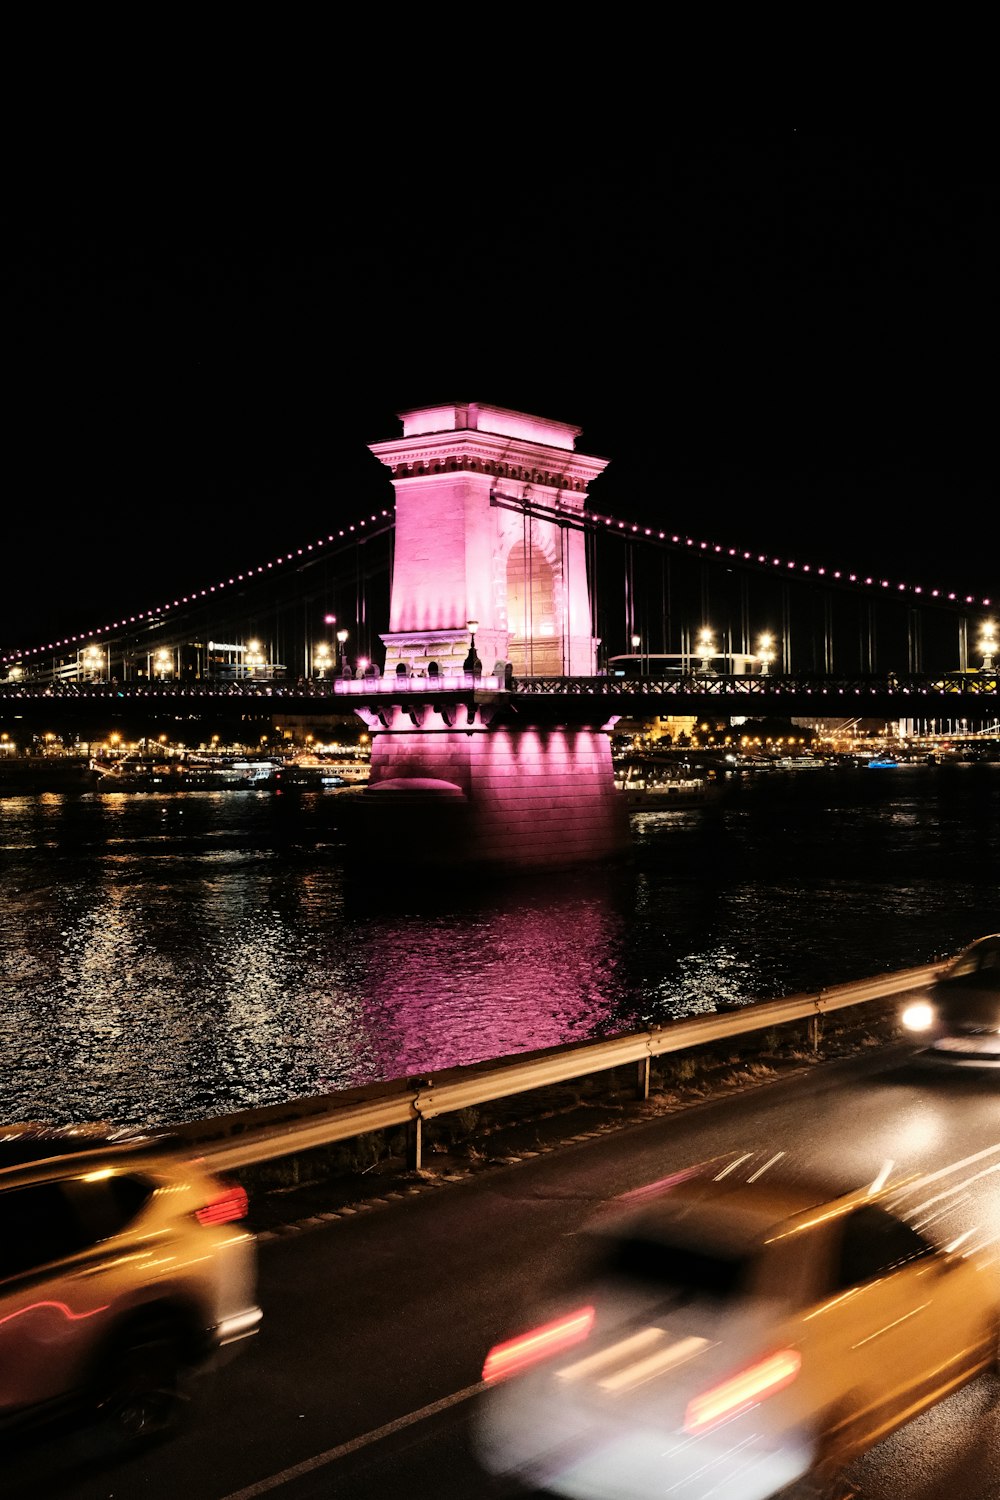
965 1161
761 1170
309 1465
624 1349
655 1364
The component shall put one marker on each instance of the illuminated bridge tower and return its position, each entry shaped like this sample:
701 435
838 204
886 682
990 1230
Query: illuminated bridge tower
460 772
464 552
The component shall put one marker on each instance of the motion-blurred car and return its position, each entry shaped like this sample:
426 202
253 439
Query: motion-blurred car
730 1334
125 1267
957 1021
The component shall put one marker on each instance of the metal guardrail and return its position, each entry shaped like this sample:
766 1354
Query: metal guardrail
267 1134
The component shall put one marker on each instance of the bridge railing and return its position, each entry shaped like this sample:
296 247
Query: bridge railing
765 686
268 1134
396 684
906 690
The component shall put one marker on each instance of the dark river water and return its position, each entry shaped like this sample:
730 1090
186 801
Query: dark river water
168 957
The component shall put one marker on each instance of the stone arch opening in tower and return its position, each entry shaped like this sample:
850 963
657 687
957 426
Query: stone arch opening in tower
535 644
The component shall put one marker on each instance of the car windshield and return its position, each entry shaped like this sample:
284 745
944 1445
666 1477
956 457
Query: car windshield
690 1270
982 956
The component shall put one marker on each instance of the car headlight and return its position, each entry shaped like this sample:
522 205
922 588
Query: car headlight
919 1016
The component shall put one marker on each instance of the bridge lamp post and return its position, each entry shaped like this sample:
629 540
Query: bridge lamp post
765 651
253 657
163 663
323 659
472 665
93 659
987 644
341 645
636 643
706 647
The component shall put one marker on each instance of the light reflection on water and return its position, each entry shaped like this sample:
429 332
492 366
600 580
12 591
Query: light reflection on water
169 957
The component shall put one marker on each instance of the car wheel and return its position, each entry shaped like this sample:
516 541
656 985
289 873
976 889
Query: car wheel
835 1449
142 1388
839 1487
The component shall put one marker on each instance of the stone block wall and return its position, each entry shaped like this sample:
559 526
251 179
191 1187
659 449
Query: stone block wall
534 798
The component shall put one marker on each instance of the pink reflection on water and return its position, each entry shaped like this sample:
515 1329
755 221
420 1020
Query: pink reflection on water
514 977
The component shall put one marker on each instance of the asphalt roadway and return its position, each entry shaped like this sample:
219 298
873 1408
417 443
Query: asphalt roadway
377 1316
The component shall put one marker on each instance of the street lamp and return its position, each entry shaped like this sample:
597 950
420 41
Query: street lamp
322 657
765 651
253 657
706 646
987 643
636 643
341 644
472 664
163 663
93 660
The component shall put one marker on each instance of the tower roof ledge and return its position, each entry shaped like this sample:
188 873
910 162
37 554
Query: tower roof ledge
475 416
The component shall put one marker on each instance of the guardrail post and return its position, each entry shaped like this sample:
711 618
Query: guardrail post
644 1077
415 1127
815 1028
415 1144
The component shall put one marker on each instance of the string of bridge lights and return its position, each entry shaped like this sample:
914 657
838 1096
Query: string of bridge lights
610 523
344 534
764 559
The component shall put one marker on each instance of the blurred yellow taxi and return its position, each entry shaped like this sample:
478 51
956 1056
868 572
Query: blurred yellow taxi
125 1268
731 1331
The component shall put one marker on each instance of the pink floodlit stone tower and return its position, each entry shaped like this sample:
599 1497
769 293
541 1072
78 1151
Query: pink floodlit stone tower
464 552
467 776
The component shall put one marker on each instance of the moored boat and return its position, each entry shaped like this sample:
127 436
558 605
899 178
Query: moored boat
656 796
26 775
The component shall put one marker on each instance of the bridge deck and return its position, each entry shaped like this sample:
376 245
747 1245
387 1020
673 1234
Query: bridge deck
957 695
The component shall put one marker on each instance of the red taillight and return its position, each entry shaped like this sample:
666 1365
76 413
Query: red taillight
229 1203
740 1392
540 1343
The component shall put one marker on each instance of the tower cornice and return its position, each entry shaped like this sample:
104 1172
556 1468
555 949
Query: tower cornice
497 457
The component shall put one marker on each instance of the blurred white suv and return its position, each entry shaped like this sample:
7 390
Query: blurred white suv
957 1019
125 1267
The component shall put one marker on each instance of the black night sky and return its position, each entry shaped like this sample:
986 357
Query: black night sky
779 339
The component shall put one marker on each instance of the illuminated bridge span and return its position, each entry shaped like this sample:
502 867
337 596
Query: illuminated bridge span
507 601
560 586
